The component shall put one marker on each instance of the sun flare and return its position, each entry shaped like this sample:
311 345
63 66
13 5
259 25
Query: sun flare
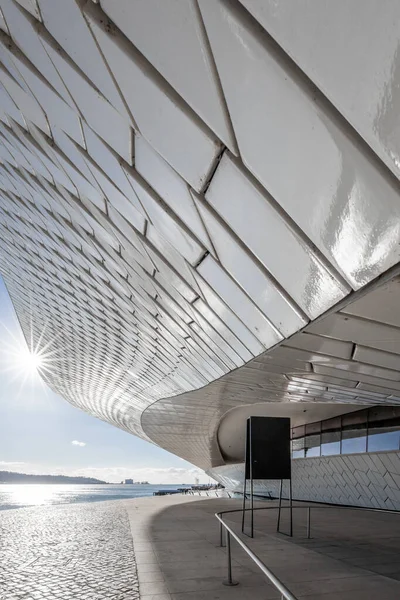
29 362
27 359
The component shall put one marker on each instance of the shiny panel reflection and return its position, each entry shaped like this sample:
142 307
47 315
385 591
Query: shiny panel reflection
173 236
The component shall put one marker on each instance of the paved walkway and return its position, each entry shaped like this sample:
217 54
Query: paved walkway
352 556
85 552
73 552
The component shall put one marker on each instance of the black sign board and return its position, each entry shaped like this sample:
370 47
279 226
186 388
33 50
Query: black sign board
268 448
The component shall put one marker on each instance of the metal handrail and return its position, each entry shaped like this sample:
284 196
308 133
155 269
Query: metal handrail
286 594
275 581
315 507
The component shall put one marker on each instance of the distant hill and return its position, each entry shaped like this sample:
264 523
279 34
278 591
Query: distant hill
9 477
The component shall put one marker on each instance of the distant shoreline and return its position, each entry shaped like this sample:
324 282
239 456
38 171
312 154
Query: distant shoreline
55 483
10 477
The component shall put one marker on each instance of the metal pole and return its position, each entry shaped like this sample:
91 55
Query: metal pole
291 508
279 508
244 501
245 481
309 523
229 581
221 541
252 506
251 482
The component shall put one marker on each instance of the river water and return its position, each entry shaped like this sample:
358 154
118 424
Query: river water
22 495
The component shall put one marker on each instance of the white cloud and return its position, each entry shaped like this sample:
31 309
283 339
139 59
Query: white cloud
76 443
156 475
173 475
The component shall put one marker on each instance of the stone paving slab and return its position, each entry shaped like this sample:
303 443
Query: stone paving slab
73 552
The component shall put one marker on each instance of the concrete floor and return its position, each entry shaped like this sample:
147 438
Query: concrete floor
351 555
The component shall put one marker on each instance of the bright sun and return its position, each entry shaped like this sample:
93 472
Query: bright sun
23 362
27 359
29 362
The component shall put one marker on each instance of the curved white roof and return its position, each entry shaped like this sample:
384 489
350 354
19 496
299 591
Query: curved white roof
186 184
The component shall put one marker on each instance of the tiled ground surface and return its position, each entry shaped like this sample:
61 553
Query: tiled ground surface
84 552
74 552
352 556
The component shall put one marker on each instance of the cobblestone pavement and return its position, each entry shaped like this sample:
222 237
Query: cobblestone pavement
74 552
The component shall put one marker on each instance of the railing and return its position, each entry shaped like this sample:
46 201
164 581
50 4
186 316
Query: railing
286 594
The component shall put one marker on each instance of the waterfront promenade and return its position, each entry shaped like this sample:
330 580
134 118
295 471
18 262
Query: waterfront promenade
67 552
167 548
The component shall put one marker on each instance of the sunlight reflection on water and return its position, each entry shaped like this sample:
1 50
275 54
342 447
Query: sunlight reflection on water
25 495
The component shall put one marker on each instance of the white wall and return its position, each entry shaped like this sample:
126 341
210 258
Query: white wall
370 480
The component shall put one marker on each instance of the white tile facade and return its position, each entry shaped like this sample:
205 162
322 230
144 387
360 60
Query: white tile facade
350 51
177 198
369 480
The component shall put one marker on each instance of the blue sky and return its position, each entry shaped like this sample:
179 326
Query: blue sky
37 428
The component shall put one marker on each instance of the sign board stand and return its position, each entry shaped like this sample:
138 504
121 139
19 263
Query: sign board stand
267 456
248 470
290 509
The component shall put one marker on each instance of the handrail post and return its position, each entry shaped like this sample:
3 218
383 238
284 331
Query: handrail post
221 535
229 581
308 522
